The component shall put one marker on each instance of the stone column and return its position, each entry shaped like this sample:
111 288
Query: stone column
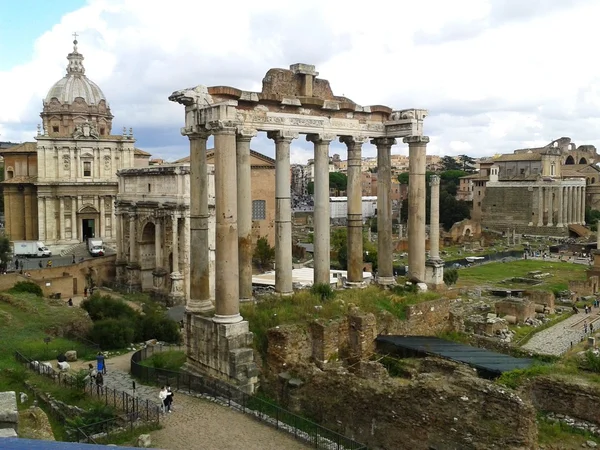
559 213
176 295
569 204
61 217
417 146
540 221
582 205
355 220
74 218
199 299
102 218
577 205
132 240
321 210
119 242
227 288
385 269
434 218
158 262
283 212
565 205
42 218
550 207
244 211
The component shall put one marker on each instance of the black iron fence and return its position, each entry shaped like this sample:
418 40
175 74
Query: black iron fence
274 415
134 409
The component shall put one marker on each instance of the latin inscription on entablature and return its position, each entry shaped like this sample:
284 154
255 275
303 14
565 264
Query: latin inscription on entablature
295 121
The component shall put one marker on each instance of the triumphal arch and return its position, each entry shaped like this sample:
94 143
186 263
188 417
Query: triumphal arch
291 103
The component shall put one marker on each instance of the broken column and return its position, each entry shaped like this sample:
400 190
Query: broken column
434 266
355 224
385 267
417 146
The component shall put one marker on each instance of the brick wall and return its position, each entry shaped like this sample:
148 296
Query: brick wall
507 207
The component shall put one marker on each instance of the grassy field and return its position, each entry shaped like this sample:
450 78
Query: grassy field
492 274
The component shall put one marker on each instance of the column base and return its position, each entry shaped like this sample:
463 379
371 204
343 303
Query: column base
234 318
434 274
177 295
386 281
222 351
199 306
246 300
285 294
356 284
560 225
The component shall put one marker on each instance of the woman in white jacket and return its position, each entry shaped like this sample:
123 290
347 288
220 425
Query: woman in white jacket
163 395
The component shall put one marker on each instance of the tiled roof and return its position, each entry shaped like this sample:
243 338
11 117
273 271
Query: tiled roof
519 157
25 147
140 152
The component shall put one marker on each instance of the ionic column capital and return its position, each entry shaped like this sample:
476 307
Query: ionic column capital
282 135
416 140
383 142
222 127
320 138
245 134
351 141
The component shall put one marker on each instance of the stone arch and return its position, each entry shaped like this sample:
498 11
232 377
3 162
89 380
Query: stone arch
582 160
467 232
569 160
593 180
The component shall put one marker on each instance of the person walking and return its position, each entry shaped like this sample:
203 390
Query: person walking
73 259
170 397
591 328
101 363
585 326
164 395
99 382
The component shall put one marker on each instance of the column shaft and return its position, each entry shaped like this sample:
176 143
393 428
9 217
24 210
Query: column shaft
385 270
355 220
244 211
434 219
119 224
569 205
157 244
61 217
540 220
577 205
42 218
175 246
283 212
582 205
102 218
132 240
321 210
550 207
199 297
74 218
417 146
559 213
227 288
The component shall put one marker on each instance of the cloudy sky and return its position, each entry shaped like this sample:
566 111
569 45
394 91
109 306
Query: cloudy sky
495 75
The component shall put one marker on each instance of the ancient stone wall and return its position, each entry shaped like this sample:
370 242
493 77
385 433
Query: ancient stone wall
448 409
545 298
506 207
561 396
423 319
519 308
584 288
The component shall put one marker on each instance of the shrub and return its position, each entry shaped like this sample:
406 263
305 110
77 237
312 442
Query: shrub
101 307
158 327
169 360
450 277
113 333
323 291
591 362
27 286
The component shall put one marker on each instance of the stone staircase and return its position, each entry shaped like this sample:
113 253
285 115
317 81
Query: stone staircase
79 249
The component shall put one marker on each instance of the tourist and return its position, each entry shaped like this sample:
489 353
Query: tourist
92 373
70 302
49 263
40 265
170 397
585 326
85 290
101 363
99 382
591 328
164 395
16 264
73 259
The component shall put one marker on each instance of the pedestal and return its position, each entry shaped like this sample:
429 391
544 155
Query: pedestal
386 281
434 274
177 295
134 278
222 351
121 272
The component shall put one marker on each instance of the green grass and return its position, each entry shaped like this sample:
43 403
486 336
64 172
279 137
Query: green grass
517 377
552 433
494 273
169 360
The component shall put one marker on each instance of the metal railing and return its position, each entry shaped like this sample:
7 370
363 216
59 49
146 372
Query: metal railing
269 413
133 407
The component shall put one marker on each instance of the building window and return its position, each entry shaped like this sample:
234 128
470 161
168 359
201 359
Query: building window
259 210
102 131
522 171
55 129
87 168
149 187
478 204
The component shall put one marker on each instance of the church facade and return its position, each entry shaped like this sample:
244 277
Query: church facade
62 188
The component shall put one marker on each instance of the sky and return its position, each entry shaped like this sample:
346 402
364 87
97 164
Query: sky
495 75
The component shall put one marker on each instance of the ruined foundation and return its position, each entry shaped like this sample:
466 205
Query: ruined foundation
222 350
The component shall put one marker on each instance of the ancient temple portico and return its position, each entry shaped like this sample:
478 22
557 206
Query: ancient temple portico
291 103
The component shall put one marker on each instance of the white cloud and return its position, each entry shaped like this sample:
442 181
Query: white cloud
496 75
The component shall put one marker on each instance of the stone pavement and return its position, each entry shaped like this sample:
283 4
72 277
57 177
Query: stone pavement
197 423
557 339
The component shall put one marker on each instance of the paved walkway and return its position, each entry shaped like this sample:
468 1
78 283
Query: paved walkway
557 339
197 423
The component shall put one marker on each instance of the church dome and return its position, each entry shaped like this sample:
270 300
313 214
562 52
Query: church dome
75 84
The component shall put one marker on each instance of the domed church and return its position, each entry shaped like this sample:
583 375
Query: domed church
61 189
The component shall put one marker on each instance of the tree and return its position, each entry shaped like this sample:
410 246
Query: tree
450 277
310 188
338 181
449 163
264 254
4 252
468 163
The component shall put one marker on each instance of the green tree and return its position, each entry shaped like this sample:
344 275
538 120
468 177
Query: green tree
468 163
264 254
449 163
4 251
403 178
339 244
338 181
310 188
591 217
450 277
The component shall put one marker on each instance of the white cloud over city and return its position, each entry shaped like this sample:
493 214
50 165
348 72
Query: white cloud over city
495 75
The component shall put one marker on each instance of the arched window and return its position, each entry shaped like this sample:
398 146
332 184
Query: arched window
569 160
582 161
